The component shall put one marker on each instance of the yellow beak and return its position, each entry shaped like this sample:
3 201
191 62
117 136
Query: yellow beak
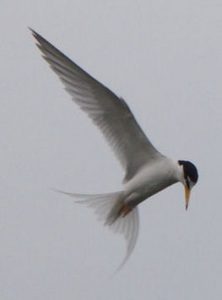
187 195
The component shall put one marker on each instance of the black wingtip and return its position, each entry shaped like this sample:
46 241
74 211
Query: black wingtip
32 31
36 35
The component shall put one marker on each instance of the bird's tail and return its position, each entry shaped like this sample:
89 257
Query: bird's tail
115 213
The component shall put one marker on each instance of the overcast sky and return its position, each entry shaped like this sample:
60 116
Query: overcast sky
165 59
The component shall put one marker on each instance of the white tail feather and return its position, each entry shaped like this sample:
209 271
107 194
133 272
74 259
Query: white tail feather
107 208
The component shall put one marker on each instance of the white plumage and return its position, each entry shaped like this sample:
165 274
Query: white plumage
147 171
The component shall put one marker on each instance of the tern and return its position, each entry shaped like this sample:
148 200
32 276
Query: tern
147 171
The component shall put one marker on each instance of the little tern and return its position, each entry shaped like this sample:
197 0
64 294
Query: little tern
147 171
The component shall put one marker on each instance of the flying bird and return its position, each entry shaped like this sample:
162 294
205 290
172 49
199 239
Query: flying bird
147 171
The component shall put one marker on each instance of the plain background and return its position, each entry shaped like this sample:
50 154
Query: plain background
165 59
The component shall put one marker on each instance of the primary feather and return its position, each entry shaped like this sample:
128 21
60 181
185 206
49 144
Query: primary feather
114 118
109 112
107 207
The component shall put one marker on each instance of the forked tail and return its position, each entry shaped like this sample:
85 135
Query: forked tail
111 209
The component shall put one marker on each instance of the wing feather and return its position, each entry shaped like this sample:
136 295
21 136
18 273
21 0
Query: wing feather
109 112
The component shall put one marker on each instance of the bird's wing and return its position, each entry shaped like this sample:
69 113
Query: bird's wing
109 112
105 206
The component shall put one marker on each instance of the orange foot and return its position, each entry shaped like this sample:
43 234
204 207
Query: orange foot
125 210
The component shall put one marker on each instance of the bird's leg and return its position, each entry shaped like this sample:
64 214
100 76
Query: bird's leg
125 209
128 205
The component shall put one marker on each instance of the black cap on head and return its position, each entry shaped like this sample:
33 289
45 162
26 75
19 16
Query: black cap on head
190 171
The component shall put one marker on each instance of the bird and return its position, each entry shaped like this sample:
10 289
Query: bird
147 171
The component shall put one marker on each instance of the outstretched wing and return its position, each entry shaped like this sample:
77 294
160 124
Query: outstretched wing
109 112
103 204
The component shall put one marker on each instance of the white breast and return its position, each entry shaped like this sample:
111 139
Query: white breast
151 179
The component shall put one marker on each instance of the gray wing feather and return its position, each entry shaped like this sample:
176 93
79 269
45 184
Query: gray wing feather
109 112
129 228
103 204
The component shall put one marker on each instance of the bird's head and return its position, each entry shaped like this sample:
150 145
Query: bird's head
190 177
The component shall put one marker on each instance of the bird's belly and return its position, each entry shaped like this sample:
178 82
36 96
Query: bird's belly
146 184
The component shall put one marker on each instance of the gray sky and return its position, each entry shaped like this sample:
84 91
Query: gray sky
164 58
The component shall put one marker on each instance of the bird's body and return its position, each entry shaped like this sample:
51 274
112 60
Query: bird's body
147 171
151 179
